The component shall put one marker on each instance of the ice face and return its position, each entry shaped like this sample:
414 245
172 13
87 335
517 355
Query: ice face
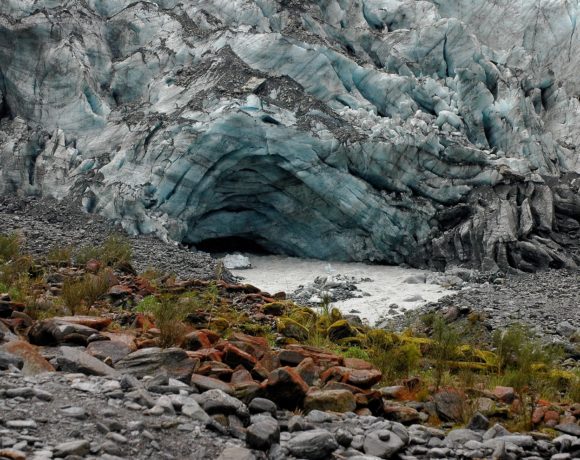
426 132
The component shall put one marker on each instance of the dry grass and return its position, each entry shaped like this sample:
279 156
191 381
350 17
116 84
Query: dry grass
79 295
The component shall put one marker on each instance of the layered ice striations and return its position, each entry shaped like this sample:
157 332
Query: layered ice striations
436 133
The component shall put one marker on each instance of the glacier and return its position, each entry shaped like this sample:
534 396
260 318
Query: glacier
433 133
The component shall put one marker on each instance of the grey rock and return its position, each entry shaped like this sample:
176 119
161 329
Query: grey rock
76 360
218 402
461 436
149 361
8 359
572 429
194 411
261 435
382 443
259 405
236 453
65 449
313 445
478 422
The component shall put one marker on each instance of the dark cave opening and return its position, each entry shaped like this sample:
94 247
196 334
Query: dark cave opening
233 244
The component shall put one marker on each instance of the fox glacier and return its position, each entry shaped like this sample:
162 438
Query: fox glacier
434 133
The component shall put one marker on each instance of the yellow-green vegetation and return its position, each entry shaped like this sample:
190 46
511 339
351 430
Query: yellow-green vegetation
79 295
115 251
169 315
9 247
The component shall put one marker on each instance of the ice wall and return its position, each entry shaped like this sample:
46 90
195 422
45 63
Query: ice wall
426 132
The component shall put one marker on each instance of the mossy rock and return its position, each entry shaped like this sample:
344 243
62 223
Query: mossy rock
275 308
341 329
253 329
303 315
358 341
335 315
219 324
292 329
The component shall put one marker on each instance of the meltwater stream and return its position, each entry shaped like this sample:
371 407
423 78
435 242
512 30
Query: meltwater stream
385 285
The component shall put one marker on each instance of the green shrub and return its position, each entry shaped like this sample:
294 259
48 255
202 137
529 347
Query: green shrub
81 294
444 347
115 251
169 314
9 247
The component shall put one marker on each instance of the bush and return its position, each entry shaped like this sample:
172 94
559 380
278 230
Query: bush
115 251
79 295
443 348
9 247
169 314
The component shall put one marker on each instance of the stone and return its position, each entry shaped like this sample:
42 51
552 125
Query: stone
262 405
572 429
75 360
204 383
478 422
292 329
382 444
330 400
219 402
459 437
261 435
149 361
286 388
237 262
313 445
504 394
236 453
449 405
341 329
79 448
362 378
33 362
112 349
94 322
402 414
196 340
8 359
55 332
193 410
233 356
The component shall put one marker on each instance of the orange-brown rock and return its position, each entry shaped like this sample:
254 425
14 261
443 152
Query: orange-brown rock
215 369
286 388
320 356
212 336
204 383
359 364
332 385
233 356
330 400
196 340
309 371
95 322
241 375
206 354
358 378
34 362
93 266
504 394
146 343
120 290
124 338
400 413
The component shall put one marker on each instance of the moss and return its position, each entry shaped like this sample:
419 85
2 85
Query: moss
219 324
303 316
379 338
288 327
253 329
275 308
353 341
341 329
335 315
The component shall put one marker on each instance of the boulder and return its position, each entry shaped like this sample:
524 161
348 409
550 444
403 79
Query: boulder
292 329
449 406
286 388
55 332
262 434
148 361
313 445
330 400
204 383
76 360
112 349
341 329
33 362
382 444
